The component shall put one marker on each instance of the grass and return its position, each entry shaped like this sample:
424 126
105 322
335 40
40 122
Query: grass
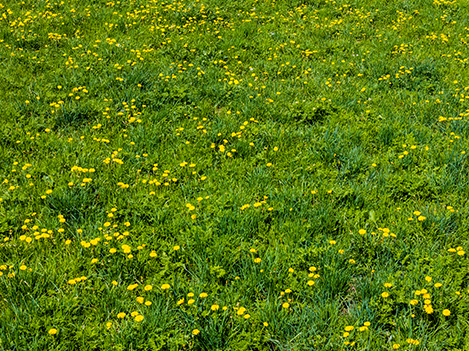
215 175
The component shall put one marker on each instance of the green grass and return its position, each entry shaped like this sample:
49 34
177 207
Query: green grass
235 149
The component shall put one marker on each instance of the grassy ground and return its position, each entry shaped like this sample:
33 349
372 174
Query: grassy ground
234 175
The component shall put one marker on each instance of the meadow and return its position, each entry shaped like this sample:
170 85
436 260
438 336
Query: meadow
234 175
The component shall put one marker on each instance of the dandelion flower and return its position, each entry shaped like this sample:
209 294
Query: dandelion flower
139 318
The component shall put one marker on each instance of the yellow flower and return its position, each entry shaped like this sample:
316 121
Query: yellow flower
247 316
266 324
215 307
396 346
241 311
414 302
428 279
153 254
285 305
165 287
195 332
140 299
108 325
203 295
148 287
362 232
385 294
257 260
139 318
132 286
446 313
52 331
349 328
190 302
121 315
177 247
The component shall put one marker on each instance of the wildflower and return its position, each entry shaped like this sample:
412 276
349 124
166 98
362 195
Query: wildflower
195 332
139 318
446 313
285 305
385 294
165 287
241 311
148 287
52 331
121 315
215 307
349 328
132 287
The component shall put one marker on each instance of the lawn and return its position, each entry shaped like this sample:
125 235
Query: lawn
234 175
